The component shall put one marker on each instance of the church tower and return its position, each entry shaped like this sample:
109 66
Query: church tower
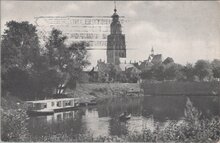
116 48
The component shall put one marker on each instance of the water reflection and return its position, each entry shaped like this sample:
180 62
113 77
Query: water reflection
147 112
94 123
60 116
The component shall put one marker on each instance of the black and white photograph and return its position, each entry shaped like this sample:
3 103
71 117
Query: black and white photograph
110 71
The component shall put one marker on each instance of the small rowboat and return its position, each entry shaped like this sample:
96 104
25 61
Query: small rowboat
123 117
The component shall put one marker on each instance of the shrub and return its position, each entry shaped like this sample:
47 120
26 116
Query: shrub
14 124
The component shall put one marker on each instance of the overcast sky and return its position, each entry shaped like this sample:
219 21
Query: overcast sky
184 30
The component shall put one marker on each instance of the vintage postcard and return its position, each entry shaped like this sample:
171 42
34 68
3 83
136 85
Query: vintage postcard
110 71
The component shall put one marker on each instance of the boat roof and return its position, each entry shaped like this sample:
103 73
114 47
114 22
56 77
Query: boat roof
51 100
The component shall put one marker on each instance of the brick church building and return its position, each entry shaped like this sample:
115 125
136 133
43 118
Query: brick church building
116 47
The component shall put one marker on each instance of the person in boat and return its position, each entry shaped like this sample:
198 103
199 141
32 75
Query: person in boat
124 114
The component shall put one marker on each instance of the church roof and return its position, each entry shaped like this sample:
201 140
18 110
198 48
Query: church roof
115 15
158 56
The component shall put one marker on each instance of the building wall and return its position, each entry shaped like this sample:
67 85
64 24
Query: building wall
115 48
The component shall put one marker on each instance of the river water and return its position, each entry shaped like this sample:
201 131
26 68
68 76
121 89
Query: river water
102 120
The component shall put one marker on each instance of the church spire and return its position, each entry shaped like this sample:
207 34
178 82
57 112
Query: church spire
115 10
152 50
116 47
115 15
115 25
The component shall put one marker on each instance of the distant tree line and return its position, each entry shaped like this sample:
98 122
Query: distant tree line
203 70
29 70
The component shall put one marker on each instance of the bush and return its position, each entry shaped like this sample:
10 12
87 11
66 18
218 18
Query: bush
14 124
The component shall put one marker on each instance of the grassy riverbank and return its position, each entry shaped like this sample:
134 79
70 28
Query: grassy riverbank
103 90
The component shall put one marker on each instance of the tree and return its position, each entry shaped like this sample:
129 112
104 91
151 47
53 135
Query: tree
203 69
20 51
158 72
112 72
16 81
68 61
146 74
26 71
188 72
132 74
20 46
216 68
121 77
172 71
168 60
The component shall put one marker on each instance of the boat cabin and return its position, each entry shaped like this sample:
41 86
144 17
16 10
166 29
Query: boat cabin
52 104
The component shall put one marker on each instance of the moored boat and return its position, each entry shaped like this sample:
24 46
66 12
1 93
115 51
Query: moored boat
49 106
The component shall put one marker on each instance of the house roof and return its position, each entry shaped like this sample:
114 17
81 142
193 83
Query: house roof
52 100
157 58
145 65
123 67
